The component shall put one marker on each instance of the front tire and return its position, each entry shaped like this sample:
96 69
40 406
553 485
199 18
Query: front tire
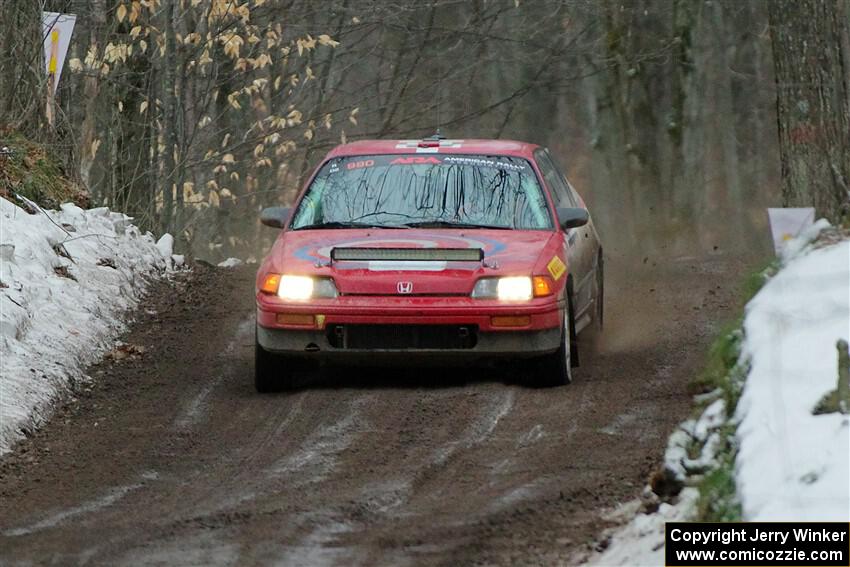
265 370
555 369
273 372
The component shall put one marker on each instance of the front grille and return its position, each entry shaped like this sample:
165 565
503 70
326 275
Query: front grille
403 337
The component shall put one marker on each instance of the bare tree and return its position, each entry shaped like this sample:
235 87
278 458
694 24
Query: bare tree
191 116
813 102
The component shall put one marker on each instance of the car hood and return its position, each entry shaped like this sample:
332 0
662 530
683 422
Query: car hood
505 252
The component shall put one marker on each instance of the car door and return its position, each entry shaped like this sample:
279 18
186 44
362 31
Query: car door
579 252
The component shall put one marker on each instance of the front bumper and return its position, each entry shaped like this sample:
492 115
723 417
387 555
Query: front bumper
316 345
325 341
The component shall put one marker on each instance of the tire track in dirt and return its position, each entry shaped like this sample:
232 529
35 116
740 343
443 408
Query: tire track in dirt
196 408
395 466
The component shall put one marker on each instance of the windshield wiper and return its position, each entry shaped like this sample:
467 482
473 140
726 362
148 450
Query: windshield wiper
449 224
347 224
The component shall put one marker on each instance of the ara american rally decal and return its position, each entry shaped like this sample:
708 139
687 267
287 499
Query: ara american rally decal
355 163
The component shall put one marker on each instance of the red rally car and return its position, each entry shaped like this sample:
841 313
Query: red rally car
446 250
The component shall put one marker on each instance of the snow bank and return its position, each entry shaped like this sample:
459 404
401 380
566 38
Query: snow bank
792 465
64 287
640 541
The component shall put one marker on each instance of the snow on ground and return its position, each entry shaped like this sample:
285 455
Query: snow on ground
65 286
793 465
640 542
230 263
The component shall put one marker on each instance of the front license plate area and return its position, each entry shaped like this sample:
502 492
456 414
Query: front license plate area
403 337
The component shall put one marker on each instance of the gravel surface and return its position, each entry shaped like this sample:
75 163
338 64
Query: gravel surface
170 457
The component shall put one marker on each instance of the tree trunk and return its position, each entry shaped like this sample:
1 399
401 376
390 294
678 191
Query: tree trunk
726 109
23 85
91 90
169 186
683 15
813 111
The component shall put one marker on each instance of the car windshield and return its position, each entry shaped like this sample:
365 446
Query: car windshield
403 191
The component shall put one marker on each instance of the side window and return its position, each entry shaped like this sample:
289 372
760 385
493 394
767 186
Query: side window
570 193
576 197
554 180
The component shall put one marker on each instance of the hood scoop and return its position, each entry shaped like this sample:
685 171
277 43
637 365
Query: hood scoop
362 254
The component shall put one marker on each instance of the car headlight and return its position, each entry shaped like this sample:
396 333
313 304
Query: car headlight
299 288
514 288
295 287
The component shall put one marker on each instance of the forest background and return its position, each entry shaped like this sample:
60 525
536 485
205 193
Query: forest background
679 121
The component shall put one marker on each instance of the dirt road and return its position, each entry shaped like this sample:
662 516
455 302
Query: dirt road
172 458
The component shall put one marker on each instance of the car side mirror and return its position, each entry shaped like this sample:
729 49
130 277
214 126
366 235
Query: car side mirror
275 217
572 217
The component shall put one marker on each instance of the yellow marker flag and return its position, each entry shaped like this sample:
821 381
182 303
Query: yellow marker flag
54 48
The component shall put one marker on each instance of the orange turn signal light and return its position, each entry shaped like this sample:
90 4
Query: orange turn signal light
510 321
271 283
542 286
296 319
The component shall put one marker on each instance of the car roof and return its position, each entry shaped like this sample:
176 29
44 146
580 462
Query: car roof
433 145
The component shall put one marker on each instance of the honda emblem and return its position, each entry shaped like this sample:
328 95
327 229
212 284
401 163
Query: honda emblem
404 287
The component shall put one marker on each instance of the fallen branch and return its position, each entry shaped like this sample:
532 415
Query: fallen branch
838 400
